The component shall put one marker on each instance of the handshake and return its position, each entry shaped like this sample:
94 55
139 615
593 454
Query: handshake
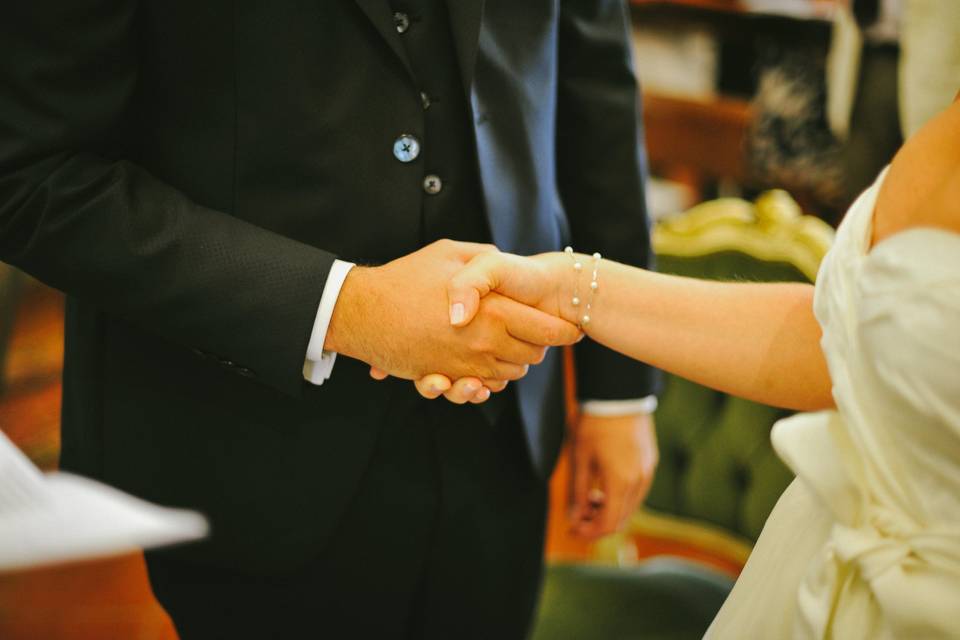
461 319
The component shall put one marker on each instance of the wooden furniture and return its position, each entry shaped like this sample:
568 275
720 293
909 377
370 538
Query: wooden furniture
811 9
700 141
691 141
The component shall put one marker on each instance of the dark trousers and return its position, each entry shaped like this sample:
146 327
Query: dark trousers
443 539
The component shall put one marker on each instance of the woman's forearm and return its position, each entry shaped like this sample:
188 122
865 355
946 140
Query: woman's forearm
755 340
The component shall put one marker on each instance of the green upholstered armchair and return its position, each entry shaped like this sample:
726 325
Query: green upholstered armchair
718 477
717 464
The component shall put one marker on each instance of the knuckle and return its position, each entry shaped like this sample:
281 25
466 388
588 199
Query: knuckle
479 345
503 372
486 368
520 372
495 385
551 335
493 308
541 356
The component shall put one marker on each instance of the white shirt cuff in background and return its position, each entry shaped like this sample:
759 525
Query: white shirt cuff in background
619 408
318 365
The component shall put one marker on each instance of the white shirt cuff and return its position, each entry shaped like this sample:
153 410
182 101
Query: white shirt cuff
318 365
617 408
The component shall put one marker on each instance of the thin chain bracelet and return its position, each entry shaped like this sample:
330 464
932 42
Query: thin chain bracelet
594 285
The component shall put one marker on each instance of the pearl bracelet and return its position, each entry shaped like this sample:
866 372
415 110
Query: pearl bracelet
594 285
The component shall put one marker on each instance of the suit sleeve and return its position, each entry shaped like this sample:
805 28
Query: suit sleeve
79 216
601 170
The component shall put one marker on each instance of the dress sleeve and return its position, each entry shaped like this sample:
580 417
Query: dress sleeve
909 322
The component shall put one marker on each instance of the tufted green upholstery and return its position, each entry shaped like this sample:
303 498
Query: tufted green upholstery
662 599
716 460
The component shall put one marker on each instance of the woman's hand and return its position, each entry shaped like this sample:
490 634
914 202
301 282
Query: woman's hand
537 281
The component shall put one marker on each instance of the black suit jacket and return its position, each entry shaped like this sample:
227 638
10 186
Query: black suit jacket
188 171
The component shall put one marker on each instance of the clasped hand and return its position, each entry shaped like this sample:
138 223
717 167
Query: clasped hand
399 319
489 278
612 458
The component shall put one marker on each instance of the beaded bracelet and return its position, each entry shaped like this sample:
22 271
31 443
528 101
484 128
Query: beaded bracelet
594 285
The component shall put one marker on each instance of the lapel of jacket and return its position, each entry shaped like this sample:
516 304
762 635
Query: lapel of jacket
465 18
381 17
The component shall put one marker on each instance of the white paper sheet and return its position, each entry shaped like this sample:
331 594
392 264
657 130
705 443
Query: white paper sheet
58 517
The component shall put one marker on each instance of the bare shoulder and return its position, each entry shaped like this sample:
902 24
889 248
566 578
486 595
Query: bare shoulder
945 205
922 188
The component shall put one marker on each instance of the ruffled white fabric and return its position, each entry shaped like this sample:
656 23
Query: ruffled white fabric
866 541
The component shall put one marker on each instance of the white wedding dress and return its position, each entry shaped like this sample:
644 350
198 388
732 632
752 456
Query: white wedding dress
865 543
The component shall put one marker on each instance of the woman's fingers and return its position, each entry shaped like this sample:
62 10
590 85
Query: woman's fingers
519 352
496 386
482 396
460 392
536 327
433 386
464 390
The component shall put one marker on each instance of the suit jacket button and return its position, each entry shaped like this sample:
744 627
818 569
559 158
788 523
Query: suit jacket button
432 184
248 373
406 148
227 363
401 21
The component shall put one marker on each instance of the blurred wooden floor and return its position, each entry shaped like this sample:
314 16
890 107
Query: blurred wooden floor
109 599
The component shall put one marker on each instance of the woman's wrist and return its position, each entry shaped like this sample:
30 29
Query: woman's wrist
575 278
555 269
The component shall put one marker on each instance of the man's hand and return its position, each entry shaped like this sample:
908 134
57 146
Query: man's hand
613 461
397 319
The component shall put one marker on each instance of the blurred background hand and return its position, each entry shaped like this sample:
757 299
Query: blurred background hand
613 460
